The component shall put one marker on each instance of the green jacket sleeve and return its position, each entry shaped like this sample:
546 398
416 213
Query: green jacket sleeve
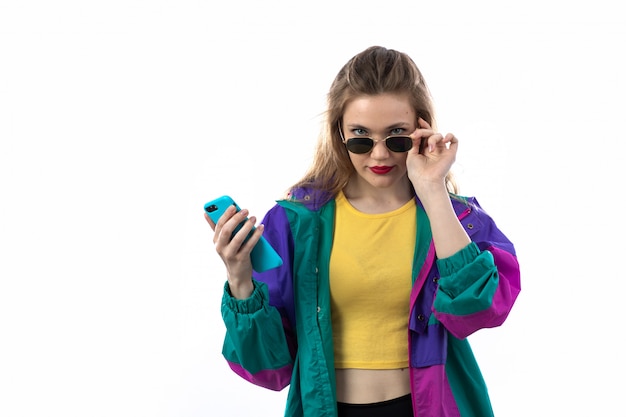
255 345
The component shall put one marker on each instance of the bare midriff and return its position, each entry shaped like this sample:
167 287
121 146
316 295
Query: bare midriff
363 386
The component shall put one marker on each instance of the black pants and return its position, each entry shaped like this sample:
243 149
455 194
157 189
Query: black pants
398 407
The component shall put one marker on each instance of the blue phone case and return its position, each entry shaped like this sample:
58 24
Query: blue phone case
263 255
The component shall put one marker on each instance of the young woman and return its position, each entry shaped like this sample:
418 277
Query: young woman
386 270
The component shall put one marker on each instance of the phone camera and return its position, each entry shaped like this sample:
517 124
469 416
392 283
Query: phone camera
211 208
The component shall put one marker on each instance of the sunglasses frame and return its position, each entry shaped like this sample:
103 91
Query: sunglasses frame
373 142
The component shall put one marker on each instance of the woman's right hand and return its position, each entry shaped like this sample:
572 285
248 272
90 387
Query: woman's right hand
235 253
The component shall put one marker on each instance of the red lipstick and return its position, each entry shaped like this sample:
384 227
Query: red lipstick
381 170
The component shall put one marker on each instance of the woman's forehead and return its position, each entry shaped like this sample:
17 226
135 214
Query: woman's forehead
379 111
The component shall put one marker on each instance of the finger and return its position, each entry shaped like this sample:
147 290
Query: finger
423 129
434 141
419 143
254 237
227 224
231 219
208 219
242 234
241 245
419 136
228 213
217 227
423 123
451 139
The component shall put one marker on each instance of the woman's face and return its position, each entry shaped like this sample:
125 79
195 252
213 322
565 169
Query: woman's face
377 117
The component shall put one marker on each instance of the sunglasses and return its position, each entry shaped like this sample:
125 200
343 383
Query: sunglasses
361 145
393 143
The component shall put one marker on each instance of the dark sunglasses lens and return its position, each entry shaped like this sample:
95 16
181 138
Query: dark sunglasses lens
399 143
360 145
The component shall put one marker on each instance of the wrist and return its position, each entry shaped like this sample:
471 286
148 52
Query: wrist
426 190
241 289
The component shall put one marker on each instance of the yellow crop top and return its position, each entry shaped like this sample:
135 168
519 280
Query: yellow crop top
370 286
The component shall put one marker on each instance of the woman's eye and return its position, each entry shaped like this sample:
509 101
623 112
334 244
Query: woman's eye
397 131
359 132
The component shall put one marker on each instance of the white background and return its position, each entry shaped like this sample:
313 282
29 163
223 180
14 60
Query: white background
119 119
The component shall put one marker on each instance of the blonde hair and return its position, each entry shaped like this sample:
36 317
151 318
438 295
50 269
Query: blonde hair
374 71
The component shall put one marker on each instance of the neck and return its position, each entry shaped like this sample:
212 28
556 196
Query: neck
368 199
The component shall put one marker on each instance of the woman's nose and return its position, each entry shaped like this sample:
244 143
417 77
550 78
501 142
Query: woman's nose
379 151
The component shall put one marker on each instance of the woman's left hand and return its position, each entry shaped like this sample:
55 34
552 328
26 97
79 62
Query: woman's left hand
428 164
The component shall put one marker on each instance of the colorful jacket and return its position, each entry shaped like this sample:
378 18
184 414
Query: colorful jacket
281 335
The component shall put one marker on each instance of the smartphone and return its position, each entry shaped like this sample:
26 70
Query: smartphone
263 255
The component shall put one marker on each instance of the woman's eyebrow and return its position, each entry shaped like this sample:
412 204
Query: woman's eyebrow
390 127
355 126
